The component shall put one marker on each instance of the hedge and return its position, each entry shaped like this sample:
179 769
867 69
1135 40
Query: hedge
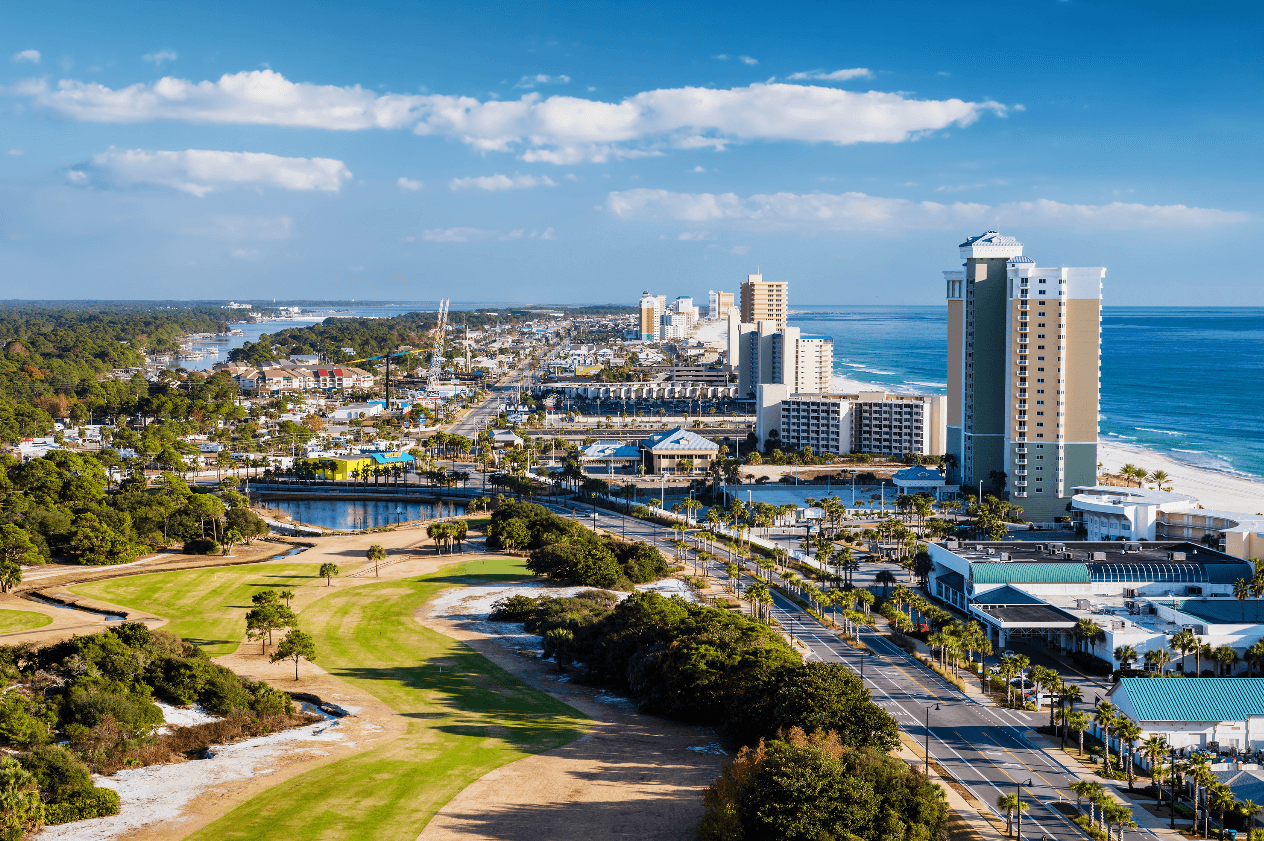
95 804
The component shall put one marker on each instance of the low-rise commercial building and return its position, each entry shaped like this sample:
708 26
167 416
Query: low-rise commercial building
1215 713
348 467
678 450
1107 512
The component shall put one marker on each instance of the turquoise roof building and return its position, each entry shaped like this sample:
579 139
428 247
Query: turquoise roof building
1205 712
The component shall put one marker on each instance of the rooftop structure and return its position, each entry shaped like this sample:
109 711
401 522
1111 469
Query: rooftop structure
867 422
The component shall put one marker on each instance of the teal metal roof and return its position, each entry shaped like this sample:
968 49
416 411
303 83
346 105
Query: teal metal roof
1020 573
1005 596
1190 699
391 458
1220 611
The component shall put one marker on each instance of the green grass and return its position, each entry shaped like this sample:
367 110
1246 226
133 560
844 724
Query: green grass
462 722
12 621
205 606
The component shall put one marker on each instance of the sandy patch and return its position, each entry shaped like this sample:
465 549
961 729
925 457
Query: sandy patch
182 716
632 775
1219 491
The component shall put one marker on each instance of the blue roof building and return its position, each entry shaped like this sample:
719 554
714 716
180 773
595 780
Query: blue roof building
1217 713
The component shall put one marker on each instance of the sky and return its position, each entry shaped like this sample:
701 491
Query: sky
586 152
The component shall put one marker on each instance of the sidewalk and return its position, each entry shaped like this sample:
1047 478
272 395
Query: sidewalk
1115 788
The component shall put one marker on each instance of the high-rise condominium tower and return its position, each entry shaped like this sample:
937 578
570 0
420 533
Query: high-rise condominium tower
652 307
763 301
1024 348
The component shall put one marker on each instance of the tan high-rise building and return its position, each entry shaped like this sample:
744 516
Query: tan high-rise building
652 307
764 301
1024 350
719 304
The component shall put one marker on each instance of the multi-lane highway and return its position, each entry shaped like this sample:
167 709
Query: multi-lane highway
984 747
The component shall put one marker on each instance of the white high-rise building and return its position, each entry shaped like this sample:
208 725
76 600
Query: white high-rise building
719 304
651 317
783 356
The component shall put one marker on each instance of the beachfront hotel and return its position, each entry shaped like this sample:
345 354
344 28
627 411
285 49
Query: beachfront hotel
1024 349
763 300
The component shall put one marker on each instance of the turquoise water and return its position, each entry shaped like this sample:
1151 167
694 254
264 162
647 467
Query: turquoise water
1182 381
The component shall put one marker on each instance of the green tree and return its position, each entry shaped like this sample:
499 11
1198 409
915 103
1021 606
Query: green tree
16 549
513 534
21 809
296 645
1010 804
376 554
329 572
265 618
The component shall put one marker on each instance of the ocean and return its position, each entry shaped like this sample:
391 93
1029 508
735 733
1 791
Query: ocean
1182 381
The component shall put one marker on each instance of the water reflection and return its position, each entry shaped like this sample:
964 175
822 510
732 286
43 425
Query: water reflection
351 514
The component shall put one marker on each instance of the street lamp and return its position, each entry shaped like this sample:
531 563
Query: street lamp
928 709
1019 810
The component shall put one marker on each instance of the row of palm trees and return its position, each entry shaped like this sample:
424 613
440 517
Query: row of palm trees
1131 473
448 534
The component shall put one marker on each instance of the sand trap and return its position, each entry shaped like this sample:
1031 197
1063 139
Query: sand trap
160 793
181 717
633 775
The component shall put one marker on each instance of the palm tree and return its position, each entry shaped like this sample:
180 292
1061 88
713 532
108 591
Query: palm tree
1069 696
1010 803
1082 789
1128 733
376 553
1183 642
1119 815
886 578
1087 629
1159 478
1197 768
1257 590
1222 801
1155 749
1249 810
1105 717
1156 659
1254 655
1241 589
1225 657
1125 654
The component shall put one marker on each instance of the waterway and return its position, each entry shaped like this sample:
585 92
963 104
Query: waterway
356 514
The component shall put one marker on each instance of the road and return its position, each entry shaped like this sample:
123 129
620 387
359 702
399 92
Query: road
982 746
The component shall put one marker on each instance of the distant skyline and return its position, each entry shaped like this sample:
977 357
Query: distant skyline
587 152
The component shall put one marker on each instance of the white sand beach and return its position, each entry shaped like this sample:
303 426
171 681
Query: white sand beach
1214 490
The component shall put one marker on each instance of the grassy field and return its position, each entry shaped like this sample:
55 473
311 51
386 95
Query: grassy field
464 721
205 606
12 621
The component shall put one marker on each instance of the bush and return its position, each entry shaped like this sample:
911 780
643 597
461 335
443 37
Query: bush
513 609
94 803
224 693
202 546
268 701
135 715
61 775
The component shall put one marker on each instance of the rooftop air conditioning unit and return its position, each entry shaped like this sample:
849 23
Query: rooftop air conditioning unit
1005 556
1176 556
991 551
1040 547
1099 556
951 544
1132 547
1081 604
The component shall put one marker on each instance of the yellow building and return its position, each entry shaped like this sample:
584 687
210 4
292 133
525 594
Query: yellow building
349 467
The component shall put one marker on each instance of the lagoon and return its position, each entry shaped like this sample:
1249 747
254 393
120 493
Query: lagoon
356 514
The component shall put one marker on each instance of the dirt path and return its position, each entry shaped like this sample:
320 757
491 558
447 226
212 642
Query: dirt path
632 776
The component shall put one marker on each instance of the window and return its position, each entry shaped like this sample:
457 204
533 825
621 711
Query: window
1040 390
1040 402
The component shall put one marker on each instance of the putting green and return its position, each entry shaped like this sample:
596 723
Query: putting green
463 721
12 621
204 606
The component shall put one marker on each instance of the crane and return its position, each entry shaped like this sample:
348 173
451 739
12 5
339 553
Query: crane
436 358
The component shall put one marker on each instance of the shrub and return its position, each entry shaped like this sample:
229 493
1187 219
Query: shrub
517 608
61 775
95 803
202 546
134 715
224 692
269 701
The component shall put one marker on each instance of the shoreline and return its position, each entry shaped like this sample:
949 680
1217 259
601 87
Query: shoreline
1215 490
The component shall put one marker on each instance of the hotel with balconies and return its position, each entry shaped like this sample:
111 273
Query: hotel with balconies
1023 374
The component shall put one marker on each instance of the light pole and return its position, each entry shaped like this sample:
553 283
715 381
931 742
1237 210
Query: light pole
1019 810
927 748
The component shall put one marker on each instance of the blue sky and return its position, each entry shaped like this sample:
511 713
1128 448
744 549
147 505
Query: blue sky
580 152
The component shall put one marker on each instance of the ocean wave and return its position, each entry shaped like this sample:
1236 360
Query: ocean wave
932 385
1160 431
1198 452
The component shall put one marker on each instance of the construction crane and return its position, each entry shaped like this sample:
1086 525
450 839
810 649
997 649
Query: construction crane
441 329
436 359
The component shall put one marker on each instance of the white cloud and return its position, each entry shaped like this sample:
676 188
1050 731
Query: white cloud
858 211
721 57
501 182
17 153
33 56
201 171
835 76
745 59
409 184
700 168
694 236
159 57
542 79
482 235
555 129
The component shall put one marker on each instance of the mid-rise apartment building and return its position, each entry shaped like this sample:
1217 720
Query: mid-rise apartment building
1024 348
866 422
652 307
768 355
764 301
719 304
